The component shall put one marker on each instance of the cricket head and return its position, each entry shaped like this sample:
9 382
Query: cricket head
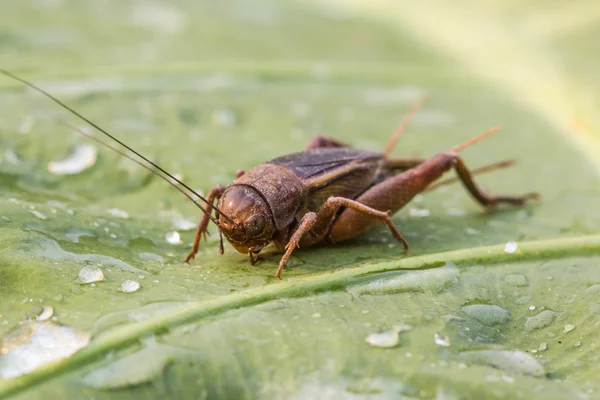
250 226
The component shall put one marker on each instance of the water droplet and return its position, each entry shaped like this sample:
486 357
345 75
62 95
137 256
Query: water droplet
11 157
316 315
435 280
364 312
224 117
26 125
74 234
81 158
46 314
515 280
531 307
569 328
50 249
115 212
487 314
471 231
577 343
138 368
456 212
539 321
177 176
511 247
38 214
184 224
129 286
89 274
151 257
523 300
56 204
6 219
37 343
441 340
385 339
511 361
543 347
419 212
173 237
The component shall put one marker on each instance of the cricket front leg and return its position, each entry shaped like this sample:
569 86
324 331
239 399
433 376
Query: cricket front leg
314 226
214 194
394 193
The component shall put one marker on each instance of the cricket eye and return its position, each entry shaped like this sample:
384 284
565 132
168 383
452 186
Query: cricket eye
255 225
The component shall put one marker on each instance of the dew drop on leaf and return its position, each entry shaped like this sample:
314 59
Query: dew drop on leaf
147 256
385 339
38 214
539 321
89 274
511 247
224 117
173 237
115 212
46 314
511 361
441 340
34 344
129 286
487 314
81 158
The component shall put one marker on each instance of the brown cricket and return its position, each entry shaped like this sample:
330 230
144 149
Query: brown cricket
330 192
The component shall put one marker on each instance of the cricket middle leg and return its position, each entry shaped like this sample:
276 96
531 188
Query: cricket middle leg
314 226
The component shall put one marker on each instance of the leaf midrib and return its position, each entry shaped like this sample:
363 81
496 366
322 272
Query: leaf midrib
298 287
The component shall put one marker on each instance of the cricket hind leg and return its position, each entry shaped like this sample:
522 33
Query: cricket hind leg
314 226
324 142
214 194
394 193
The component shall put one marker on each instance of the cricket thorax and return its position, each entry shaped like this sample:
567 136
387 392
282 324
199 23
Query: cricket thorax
281 189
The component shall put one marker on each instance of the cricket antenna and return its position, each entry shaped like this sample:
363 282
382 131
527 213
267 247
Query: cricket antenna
403 124
164 177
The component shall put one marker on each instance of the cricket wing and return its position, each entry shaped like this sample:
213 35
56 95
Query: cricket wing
308 165
342 172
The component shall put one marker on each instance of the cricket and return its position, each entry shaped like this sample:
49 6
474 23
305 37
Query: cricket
328 193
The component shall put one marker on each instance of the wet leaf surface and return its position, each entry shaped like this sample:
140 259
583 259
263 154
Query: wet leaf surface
207 88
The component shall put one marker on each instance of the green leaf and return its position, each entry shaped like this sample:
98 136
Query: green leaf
486 305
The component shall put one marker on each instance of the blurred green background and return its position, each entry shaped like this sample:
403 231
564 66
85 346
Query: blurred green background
206 88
